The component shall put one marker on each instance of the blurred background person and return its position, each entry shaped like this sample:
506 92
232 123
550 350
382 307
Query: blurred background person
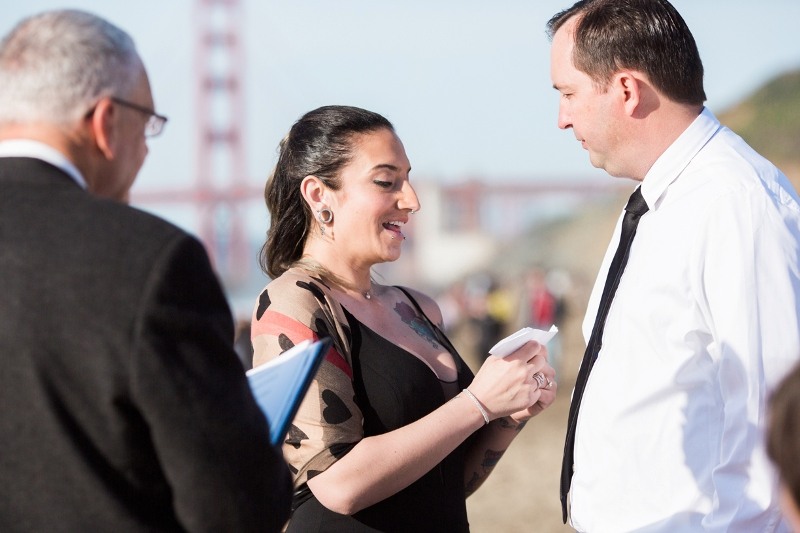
542 304
488 313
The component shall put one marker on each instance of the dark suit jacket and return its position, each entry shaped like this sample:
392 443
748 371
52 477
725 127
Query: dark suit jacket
123 406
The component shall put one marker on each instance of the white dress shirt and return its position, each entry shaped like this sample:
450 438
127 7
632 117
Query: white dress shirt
43 152
705 321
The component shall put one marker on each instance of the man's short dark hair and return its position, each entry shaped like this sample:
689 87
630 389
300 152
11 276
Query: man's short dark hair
649 36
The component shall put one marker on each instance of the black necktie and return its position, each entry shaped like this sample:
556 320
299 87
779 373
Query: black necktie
635 208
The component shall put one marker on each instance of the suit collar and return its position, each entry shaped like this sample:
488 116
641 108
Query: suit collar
33 171
43 152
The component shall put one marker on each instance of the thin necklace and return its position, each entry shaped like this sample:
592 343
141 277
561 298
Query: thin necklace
367 294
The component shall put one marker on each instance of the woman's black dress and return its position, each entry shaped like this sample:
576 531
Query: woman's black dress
394 388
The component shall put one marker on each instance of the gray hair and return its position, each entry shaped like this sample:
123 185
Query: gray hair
54 66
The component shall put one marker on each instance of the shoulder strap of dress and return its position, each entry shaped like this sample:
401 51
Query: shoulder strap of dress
413 301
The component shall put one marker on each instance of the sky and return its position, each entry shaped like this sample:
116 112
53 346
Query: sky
465 82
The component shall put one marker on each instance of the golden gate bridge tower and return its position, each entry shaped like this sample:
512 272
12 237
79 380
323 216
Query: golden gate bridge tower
221 174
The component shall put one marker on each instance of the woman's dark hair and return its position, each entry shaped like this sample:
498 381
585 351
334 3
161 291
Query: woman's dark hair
783 432
646 35
319 144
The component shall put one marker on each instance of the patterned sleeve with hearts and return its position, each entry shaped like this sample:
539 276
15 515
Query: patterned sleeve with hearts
292 308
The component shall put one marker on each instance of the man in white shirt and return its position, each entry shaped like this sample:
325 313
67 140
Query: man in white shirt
706 317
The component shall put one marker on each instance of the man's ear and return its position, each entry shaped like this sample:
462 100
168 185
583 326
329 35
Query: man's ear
630 89
314 192
102 127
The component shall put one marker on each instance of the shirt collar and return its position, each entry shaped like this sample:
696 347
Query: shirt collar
44 152
671 163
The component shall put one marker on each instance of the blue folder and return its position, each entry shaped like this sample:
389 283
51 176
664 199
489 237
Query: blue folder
281 384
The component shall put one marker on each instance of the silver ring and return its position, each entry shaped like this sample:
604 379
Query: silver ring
541 380
549 384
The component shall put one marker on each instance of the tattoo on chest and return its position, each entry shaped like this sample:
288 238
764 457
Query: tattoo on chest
416 322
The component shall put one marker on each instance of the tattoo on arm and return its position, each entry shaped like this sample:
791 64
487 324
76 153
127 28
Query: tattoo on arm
490 460
473 484
508 423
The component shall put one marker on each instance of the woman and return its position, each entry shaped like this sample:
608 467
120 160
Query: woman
395 432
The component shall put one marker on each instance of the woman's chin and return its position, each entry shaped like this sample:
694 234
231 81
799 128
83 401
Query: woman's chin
390 255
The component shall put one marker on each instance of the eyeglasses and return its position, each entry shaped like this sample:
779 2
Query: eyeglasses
155 122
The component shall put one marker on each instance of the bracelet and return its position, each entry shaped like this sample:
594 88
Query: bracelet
478 405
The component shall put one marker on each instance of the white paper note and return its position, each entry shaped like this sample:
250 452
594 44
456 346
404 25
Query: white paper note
515 341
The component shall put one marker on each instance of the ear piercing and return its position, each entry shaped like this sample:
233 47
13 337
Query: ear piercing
324 216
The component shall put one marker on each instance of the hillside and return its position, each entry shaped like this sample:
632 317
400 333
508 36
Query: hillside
769 120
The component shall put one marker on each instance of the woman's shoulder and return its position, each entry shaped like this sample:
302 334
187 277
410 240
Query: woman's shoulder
294 293
299 306
299 284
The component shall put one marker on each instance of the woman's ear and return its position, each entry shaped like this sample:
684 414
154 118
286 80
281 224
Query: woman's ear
101 125
314 192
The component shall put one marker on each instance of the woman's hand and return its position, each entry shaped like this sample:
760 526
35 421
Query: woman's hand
506 386
547 394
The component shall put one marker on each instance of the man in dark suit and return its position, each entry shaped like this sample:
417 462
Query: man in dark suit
123 406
